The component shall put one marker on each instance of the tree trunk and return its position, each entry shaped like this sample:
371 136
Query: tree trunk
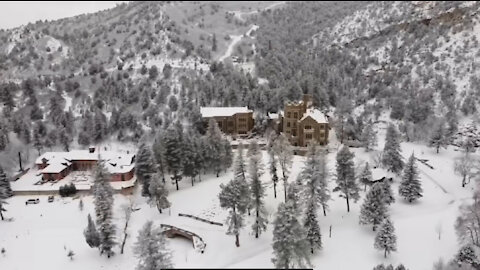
348 204
192 180
275 190
123 243
284 184
324 211
237 240
385 254
464 180
1 213
438 148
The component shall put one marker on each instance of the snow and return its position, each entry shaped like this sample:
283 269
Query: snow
222 111
316 115
45 232
55 168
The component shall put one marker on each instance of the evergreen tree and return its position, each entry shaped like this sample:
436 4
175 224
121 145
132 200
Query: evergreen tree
410 188
235 196
386 239
374 208
284 152
65 139
346 183
391 158
215 149
273 171
91 234
174 153
151 249
290 245
144 167
255 171
37 143
438 137
369 136
158 194
190 158
366 176
387 192
314 179
314 236
158 150
5 192
103 201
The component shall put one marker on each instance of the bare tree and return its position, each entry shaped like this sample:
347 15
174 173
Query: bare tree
464 166
468 223
284 152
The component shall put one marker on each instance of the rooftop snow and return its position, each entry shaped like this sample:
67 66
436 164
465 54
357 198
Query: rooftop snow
315 115
222 111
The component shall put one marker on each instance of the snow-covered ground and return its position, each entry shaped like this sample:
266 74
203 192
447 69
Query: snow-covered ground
44 233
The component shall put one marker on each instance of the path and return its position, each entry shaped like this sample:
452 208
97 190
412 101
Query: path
237 38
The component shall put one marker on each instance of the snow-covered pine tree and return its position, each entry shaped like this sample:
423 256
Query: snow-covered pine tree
228 155
314 179
190 158
5 184
290 245
314 236
369 136
410 188
173 153
5 192
387 192
345 179
158 193
374 208
103 201
158 149
235 196
366 176
37 141
273 171
386 239
216 149
391 157
255 172
144 167
284 152
438 137
151 249
91 234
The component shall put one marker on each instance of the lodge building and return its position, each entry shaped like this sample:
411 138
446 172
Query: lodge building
303 124
57 165
230 120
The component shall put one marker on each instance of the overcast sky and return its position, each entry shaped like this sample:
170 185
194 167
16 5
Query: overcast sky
13 14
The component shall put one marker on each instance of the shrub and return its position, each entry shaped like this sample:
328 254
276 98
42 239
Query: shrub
67 190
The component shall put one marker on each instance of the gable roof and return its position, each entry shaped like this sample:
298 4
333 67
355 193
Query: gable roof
316 115
222 111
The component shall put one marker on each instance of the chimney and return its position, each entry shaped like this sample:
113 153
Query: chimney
91 149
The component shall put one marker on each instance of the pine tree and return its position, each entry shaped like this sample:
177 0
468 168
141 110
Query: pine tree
158 150
387 192
438 137
273 171
284 152
374 208
174 153
391 158
103 201
216 149
410 188
5 192
64 139
314 236
144 167
151 249
314 179
369 136
386 239
37 143
190 158
255 172
158 194
91 234
366 176
235 196
346 183
290 245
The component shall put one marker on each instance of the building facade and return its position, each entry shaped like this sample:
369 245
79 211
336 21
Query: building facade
230 120
303 124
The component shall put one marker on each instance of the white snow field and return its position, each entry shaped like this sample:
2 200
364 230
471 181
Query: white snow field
41 235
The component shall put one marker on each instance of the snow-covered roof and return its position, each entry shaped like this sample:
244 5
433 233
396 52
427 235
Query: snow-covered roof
273 116
315 115
222 111
116 162
56 167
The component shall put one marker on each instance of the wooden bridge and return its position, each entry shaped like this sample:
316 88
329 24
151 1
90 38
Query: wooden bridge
197 241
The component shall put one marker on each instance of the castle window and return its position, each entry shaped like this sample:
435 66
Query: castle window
295 115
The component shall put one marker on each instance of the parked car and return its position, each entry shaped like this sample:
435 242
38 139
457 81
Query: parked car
32 201
50 198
